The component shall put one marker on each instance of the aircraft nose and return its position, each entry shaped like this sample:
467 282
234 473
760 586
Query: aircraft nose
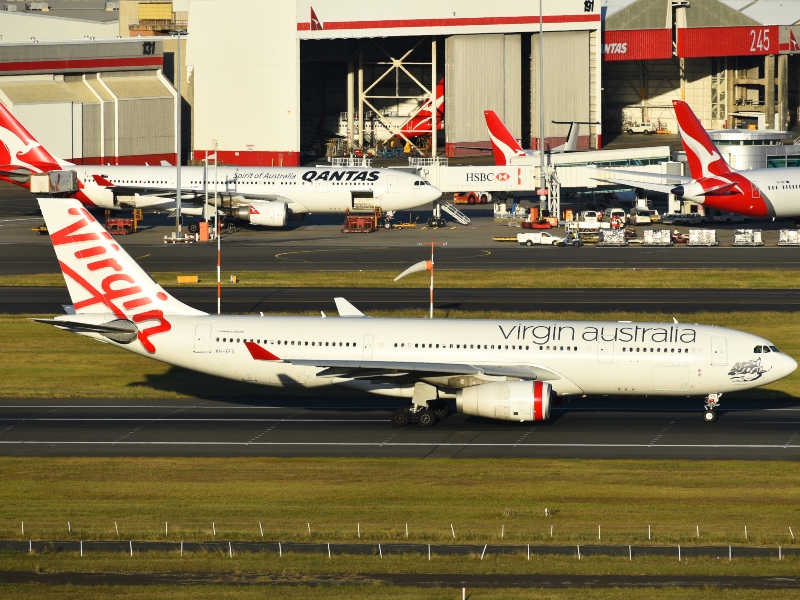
433 193
788 365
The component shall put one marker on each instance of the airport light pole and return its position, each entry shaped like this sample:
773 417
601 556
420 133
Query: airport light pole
542 182
178 130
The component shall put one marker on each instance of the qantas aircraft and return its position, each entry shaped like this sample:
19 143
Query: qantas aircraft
753 193
268 196
507 370
507 150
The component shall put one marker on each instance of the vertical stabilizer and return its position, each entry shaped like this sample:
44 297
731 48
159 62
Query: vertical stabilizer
504 145
18 148
701 153
101 277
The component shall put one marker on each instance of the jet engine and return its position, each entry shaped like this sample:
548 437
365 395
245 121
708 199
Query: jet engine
507 401
268 213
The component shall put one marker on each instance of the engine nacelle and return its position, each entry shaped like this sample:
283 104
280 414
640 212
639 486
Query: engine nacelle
507 401
268 213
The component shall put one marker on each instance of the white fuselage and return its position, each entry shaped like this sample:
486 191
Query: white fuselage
304 189
780 189
582 357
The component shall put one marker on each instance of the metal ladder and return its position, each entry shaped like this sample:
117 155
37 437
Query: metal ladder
451 210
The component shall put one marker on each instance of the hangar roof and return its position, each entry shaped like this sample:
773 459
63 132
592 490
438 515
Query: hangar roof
84 10
652 14
764 12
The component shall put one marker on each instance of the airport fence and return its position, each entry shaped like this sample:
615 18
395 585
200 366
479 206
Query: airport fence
411 532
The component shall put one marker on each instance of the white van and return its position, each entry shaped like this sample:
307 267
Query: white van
590 216
639 216
613 213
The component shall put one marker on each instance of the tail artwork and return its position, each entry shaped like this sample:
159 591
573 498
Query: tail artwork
702 155
504 145
109 291
20 152
420 123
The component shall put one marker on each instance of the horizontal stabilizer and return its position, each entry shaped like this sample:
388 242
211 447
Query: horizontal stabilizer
118 330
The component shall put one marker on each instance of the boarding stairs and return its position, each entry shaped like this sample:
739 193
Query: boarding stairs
451 210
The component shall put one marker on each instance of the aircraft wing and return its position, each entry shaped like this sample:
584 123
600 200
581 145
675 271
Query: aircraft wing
393 371
634 179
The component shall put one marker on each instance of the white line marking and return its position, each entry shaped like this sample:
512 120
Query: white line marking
407 444
165 420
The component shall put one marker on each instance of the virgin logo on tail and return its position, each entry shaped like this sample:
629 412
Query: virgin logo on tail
96 260
19 148
701 153
504 145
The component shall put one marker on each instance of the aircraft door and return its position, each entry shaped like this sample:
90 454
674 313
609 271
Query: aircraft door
368 339
605 351
202 338
719 351
392 183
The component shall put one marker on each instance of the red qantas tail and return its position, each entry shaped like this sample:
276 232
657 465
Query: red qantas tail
18 148
701 153
504 145
420 123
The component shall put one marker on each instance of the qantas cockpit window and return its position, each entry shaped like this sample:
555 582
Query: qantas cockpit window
765 349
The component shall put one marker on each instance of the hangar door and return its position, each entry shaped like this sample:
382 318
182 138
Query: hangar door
569 80
482 72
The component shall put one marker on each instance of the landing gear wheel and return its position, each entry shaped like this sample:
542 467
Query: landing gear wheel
710 416
400 417
426 418
441 410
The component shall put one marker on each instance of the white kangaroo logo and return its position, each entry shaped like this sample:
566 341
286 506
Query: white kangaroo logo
17 147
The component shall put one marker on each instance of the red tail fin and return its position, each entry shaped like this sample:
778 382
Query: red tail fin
19 148
701 153
504 145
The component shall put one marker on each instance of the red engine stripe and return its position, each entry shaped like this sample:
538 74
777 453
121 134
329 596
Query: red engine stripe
538 409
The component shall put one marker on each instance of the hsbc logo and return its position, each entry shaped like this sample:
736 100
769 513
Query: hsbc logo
615 48
482 177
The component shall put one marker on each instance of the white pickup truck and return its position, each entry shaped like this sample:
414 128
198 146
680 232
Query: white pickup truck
542 238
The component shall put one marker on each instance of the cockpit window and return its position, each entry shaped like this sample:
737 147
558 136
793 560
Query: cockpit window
765 349
757 349
774 349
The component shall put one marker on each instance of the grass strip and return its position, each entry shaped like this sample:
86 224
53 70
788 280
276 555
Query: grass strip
487 501
518 278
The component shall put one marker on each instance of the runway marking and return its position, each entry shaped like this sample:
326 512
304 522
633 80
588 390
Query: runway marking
189 420
268 429
406 444
138 258
791 439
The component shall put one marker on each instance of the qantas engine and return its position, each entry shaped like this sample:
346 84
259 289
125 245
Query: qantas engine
267 213
507 401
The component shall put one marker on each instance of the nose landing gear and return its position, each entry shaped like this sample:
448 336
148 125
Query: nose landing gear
712 402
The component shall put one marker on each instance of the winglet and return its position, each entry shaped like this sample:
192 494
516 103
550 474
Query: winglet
346 309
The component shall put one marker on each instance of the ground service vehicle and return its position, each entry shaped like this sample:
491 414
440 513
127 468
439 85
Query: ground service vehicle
540 238
472 197
647 128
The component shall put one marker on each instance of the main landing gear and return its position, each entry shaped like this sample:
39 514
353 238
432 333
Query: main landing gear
425 416
712 402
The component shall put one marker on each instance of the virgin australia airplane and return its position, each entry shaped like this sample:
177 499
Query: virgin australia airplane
507 370
268 196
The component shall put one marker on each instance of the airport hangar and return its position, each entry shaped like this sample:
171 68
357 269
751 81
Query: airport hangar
256 73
